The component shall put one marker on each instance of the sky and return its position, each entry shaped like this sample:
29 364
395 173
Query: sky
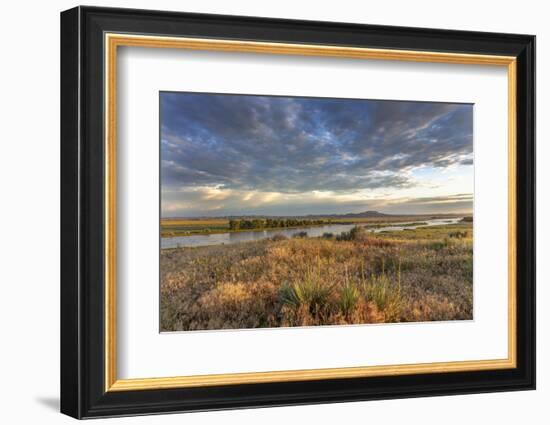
269 155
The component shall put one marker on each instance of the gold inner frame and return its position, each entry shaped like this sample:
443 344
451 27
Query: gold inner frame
113 41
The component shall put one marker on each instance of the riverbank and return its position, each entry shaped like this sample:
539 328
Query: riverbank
423 274
191 227
167 233
227 238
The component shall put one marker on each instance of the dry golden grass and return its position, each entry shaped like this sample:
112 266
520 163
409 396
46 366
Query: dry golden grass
193 222
418 275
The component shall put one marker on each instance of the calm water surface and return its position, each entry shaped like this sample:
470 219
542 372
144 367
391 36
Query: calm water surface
236 237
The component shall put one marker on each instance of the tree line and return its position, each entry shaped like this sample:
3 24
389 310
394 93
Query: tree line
271 223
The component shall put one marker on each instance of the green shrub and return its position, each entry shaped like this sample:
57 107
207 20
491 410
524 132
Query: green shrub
384 293
358 233
349 296
441 244
309 292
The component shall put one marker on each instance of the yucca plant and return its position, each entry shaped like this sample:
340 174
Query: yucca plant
349 296
288 295
384 293
310 291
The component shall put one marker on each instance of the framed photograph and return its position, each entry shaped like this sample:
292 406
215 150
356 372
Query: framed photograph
261 212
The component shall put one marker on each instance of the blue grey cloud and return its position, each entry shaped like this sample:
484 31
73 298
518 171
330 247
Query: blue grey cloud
298 144
293 145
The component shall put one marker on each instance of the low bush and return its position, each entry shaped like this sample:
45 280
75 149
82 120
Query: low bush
357 233
458 234
349 297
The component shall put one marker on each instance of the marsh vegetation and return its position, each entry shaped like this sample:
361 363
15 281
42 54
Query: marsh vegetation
171 227
356 277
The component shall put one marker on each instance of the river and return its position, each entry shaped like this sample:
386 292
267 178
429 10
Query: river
335 229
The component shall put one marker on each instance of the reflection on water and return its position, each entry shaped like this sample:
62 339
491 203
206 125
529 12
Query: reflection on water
236 237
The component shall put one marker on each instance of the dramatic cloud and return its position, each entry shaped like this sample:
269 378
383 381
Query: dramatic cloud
228 152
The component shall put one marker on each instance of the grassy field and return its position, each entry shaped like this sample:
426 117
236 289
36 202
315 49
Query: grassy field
404 276
186 227
182 227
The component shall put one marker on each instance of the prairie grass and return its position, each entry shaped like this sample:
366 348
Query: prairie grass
349 297
404 276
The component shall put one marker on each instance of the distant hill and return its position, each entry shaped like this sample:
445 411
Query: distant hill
364 214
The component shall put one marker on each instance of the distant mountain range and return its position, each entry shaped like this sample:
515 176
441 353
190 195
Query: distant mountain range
364 214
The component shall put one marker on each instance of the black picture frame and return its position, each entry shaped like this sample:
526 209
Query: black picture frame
83 392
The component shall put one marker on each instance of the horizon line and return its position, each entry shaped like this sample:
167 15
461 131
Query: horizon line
318 215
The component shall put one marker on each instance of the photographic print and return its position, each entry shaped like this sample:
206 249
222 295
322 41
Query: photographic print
283 211
256 240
